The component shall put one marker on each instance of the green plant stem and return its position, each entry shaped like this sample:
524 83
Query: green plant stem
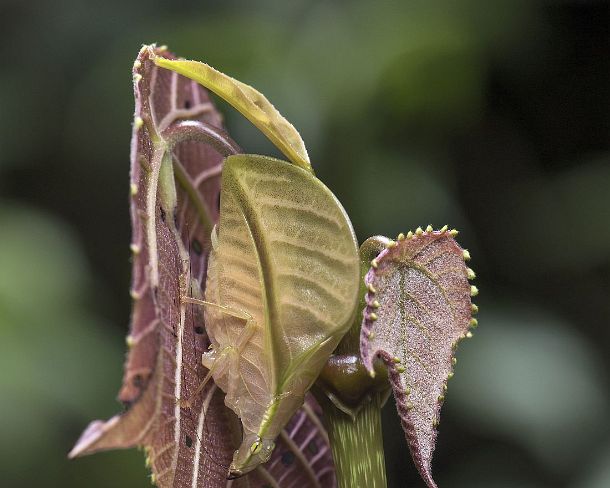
357 444
356 437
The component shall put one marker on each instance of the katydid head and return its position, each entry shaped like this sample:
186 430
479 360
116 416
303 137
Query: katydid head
254 450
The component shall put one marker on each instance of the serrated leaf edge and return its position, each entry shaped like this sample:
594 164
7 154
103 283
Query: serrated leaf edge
394 366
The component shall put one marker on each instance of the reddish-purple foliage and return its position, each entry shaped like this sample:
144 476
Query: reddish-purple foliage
418 307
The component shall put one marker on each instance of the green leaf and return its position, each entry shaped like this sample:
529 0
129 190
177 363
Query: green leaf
250 102
285 256
417 308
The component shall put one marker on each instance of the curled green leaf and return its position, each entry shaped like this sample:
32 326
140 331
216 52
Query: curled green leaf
418 307
250 102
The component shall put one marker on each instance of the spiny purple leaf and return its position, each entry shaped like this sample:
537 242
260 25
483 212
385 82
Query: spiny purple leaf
418 306
172 216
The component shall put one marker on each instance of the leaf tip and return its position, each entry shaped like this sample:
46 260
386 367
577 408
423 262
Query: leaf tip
88 438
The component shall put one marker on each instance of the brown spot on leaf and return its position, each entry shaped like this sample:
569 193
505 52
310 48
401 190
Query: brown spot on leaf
138 381
196 246
287 458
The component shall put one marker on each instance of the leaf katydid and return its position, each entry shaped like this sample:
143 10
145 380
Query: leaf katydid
281 292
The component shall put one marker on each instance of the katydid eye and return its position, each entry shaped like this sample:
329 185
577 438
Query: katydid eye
256 447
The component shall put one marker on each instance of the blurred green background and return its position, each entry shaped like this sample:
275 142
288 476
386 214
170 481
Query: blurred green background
491 117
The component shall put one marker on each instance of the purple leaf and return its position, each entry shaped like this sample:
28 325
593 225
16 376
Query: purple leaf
302 455
166 340
418 307
178 147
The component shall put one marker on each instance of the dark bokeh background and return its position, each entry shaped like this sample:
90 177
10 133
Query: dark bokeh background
489 116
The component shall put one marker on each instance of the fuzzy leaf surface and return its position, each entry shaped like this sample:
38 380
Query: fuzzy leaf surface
418 306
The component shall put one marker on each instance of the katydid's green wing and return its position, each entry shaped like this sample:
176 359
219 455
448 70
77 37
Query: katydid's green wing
286 255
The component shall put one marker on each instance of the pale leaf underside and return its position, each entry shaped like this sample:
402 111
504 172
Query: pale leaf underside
418 306
171 222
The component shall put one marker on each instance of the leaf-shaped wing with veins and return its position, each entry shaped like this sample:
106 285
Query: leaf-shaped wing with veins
176 127
418 307
286 257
